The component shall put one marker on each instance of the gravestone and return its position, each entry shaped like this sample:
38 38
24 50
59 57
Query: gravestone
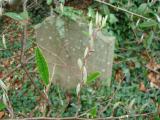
63 41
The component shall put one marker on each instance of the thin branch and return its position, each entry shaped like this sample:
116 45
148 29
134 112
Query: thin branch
24 39
4 49
124 10
51 79
36 87
48 88
16 68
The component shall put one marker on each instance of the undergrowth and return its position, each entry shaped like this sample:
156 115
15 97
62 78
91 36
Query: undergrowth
137 44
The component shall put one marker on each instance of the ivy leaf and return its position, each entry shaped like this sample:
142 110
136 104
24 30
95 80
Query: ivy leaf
42 66
2 106
112 19
92 77
142 9
49 2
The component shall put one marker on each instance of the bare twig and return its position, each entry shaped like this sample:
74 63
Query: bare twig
51 79
16 68
124 10
24 39
36 87
11 72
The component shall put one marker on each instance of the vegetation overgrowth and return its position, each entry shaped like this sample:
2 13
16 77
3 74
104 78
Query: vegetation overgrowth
135 85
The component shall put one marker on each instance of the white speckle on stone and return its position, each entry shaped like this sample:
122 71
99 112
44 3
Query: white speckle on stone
78 48
50 37
103 70
74 49
102 46
66 40
103 60
108 63
41 39
67 56
69 77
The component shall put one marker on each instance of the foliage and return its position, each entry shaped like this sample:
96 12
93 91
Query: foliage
2 106
92 77
19 17
137 45
42 66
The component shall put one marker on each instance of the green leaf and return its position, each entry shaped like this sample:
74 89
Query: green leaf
148 41
92 77
93 112
2 106
142 8
19 17
42 66
24 15
148 24
112 18
14 16
49 2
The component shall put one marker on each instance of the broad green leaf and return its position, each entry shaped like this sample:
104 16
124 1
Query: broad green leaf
93 112
92 77
19 17
148 24
156 117
91 12
49 2
24 15
42 66
142 8
2 106
112 19
14 16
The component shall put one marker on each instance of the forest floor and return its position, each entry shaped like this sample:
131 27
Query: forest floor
135 90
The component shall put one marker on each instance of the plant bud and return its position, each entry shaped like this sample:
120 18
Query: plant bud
1 11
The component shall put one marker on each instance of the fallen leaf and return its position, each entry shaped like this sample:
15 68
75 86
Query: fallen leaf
2 115
154 74
152 65
1 74
142 87
6 63
119 75
131 64
154 79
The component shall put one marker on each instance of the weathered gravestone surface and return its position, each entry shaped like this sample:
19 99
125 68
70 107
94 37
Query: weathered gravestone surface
64 41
